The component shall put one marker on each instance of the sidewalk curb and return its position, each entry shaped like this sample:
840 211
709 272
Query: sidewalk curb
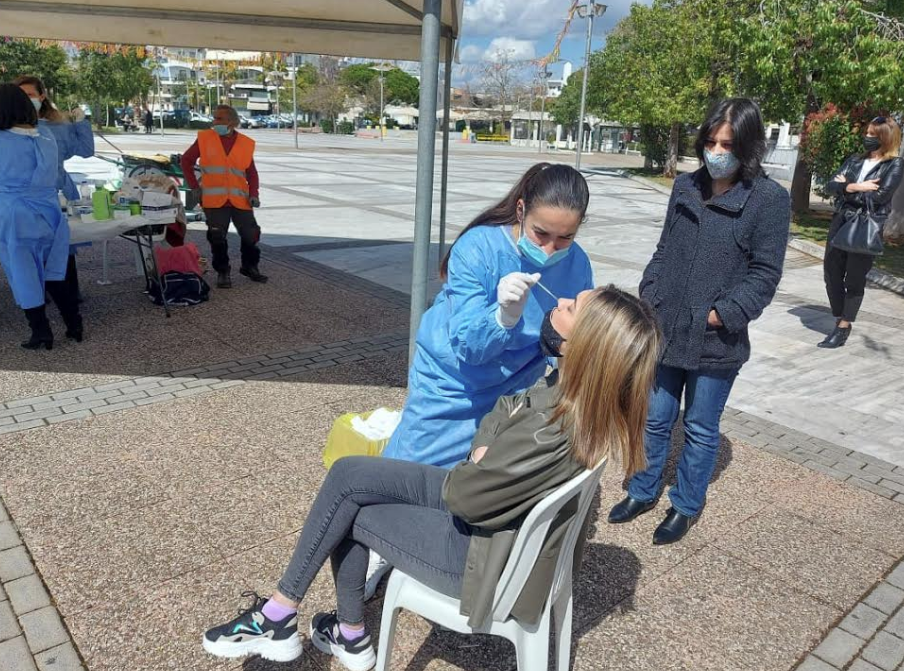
878 277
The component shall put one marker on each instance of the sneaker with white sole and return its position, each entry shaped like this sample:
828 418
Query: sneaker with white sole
356 655
253 633
377 568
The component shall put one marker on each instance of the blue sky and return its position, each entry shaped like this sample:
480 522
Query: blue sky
527 29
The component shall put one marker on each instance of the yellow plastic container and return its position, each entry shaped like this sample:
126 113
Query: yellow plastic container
344 441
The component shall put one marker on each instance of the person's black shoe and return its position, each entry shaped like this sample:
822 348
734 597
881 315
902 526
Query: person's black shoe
224 281
75 328
252 633
41 335
672 528
356 655
253 274
628 509
836 338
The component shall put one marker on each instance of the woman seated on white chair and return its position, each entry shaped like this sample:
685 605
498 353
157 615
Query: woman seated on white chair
440 526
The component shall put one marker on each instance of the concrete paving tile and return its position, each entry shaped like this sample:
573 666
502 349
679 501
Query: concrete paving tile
172 618
120 556
61 658
9 626
885 651
827 565
839 648
15 655
885 598
27 594
863 621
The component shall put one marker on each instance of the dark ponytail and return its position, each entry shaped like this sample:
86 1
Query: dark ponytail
552 185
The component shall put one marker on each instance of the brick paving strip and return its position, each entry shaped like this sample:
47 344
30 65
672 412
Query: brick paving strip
871 635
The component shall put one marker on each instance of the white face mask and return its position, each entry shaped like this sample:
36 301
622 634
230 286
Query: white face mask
38 103
31 132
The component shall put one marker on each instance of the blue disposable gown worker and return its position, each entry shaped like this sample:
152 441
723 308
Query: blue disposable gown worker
73 139
464 360
34 233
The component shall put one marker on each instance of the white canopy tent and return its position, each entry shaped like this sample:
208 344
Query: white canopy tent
378 29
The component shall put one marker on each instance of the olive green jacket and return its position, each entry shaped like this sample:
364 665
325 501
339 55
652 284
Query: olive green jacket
526 459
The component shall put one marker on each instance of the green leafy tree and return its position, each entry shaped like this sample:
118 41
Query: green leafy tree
46 61
398 86
802 54
112 78
305 80
662 66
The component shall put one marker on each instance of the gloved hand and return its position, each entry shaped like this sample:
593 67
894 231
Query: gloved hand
255 202
512 293
76 115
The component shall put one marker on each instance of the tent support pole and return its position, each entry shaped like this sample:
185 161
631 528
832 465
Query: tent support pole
426 149
444 178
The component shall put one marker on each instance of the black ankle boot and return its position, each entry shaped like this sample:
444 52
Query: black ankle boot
41 335
672 528
75 328
628 509
837 338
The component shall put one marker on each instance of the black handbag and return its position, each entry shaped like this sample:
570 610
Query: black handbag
861 232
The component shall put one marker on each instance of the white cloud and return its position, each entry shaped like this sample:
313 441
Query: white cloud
470 53
523 18
511 48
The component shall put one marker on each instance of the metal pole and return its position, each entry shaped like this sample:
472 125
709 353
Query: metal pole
160 99
295 98
530 114
580 147
543 116
444 178
426 147
381 105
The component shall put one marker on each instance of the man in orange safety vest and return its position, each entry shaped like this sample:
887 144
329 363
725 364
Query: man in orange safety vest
229 190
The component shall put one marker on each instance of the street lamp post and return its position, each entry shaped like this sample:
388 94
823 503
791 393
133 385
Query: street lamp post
544 77
381 68
295 97
589 11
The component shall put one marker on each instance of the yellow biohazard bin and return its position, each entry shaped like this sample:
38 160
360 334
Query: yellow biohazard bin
344 441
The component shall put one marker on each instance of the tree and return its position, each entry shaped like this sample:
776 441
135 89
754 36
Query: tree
662 66
398 86
118 77
501 76
46 61
802 54
305 80
328 97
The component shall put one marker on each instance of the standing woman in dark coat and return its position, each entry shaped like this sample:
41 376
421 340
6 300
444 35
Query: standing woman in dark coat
873 175
715 269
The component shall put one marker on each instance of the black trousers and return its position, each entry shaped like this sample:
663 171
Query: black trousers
845 277
218 219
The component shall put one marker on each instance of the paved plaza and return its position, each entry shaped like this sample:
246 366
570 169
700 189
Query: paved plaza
152 473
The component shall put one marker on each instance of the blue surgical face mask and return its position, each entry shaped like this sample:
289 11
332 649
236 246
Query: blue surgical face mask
721 166
38 103
221 129
536 255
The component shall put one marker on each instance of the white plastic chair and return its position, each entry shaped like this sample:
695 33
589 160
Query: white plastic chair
531 641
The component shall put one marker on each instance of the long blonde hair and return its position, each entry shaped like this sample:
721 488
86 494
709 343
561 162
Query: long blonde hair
606 376
889 133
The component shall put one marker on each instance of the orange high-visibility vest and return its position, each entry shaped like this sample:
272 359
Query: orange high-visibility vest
223 178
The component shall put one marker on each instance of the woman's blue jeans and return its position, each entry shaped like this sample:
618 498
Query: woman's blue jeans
705 395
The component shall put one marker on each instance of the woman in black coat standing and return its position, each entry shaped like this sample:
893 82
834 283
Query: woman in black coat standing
715 269
870 177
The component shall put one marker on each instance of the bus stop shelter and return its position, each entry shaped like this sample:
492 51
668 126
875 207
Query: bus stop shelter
377 29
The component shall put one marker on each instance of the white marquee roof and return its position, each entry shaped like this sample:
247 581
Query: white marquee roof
389 29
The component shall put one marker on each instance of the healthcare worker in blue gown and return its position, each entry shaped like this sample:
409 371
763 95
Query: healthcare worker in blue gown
481 338
73 136
34 233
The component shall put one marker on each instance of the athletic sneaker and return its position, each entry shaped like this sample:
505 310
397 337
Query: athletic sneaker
377 568
357 655
252 633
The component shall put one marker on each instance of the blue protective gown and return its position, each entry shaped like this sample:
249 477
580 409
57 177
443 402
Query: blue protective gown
464 360
34 233
73 139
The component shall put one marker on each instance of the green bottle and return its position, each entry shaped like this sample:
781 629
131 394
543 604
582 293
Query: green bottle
102 203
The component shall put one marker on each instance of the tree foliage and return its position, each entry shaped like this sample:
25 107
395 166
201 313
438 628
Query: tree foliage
398 86
31 57
112 78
